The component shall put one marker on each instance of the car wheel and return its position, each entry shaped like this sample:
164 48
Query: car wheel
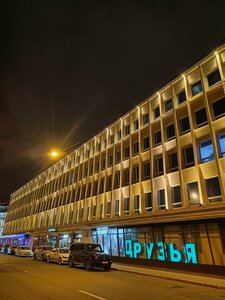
89 265
60 261
70 262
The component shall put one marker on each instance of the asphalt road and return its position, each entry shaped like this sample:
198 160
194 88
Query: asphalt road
26 279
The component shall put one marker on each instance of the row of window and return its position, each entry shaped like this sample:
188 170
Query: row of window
212 188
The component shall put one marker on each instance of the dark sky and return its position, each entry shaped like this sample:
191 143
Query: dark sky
88 62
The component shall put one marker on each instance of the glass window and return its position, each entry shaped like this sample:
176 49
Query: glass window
136 125
111 139
201 117
126 177
181 97
170 131
146 143
136 204
184 125
176 196
110 160
118 156
219 108
127 130
94 211
119 135
101 188
103 163
157 138
99 146
108 209
136 148
135 174
126 206
117 180
188 156
193 193
101 210
109 183
213 77
117 207
213 189
159 166
156 112
161 199
206 151
168 105
126 152
148 202
196 88
173 164
222 145
147 171
145 119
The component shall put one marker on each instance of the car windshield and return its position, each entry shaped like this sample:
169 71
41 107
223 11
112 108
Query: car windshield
47 248
94 248
25 248
63 251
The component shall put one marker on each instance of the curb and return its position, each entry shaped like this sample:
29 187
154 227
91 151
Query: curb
173 279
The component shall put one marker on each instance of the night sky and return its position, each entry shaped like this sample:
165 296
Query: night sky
70 68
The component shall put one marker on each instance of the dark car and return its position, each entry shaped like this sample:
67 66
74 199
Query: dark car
89 255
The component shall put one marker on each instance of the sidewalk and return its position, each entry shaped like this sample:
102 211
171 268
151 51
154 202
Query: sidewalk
188 277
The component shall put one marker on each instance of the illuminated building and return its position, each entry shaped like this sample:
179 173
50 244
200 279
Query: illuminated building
156 175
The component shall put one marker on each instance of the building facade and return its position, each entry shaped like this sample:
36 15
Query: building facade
150 186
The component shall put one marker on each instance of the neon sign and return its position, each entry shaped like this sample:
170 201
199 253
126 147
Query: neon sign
163 251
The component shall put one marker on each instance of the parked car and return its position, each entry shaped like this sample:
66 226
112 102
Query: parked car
89 255
58 255
23 251
41 252
11 250
5 248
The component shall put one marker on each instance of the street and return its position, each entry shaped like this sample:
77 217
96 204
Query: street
24 278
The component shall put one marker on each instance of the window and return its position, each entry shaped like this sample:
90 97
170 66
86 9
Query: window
117 181
99 146
135 174
105 143
136 125
117 207
97 166
89 190
108 209
148 202
213 77
94 211
170 131
118 156
161 199
188 156
196 88
145 119
127 130
136 148
159 166
95 188
126 177
222 145
168 105
109 183
156 112
119 135
184 125
101 210
193 194
173 164
146 143
101 188
213 189
136 204
176 197
219 108
110 160
147 171
206 151
126 152
201 117
181 97
103 163
157 138
111 139
126 206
